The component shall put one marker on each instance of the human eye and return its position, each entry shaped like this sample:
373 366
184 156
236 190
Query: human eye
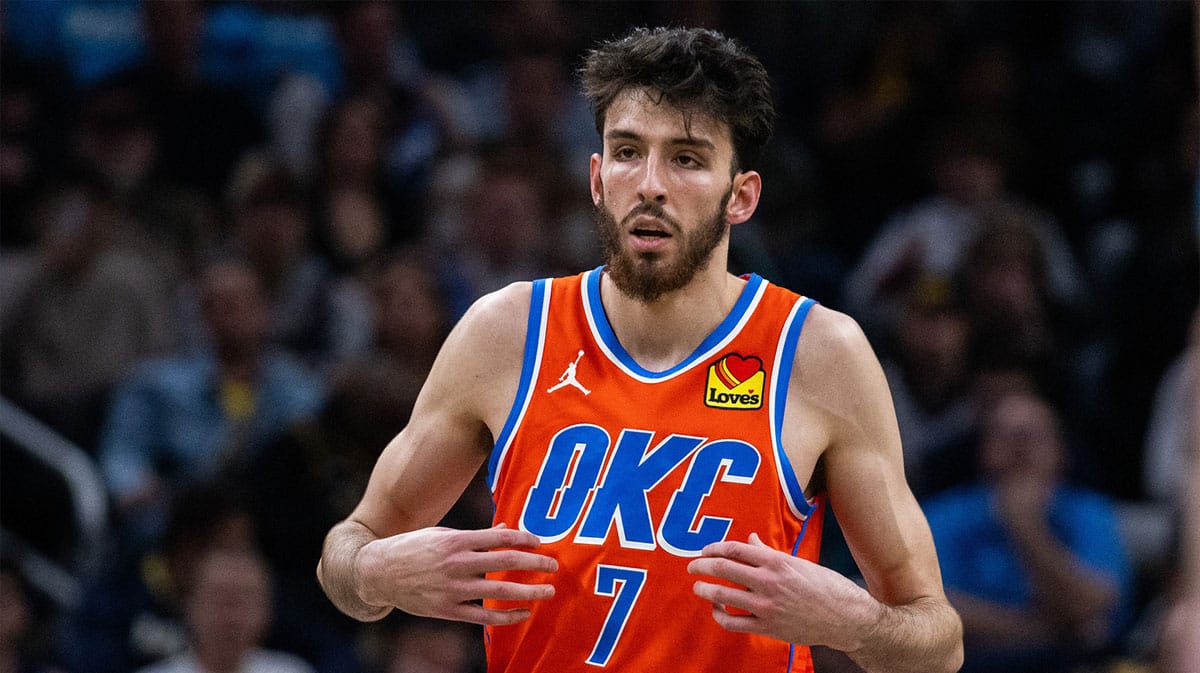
625 152
689 161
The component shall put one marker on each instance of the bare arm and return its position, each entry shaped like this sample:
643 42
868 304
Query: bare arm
387 554
886 531
840 408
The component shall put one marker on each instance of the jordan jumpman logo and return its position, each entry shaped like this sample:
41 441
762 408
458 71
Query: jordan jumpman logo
568 377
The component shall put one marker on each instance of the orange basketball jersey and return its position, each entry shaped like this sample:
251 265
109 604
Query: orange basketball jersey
626 474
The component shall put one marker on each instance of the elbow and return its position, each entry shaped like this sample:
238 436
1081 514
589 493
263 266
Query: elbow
953 660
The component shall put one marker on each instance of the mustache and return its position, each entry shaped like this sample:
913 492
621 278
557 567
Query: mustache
652 209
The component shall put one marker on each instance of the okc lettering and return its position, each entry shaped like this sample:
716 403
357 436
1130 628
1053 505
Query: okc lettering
571 471
732 398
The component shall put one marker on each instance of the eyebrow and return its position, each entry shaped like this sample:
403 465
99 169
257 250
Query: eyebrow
687 141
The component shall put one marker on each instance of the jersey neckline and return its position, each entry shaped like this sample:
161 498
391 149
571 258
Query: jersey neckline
720 337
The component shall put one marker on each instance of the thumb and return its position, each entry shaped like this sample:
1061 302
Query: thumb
755 540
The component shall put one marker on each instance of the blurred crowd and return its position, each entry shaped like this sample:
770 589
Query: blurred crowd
234 235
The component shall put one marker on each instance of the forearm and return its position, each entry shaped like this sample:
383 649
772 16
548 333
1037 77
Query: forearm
924 636
337 570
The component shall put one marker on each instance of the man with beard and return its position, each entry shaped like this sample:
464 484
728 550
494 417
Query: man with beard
663 509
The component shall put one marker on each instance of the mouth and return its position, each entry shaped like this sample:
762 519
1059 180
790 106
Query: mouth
646 226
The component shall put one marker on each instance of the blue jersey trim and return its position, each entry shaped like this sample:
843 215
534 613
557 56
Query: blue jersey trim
783 369
595 308
530 361
796 550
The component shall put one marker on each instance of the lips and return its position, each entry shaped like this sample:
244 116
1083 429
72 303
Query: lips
647 225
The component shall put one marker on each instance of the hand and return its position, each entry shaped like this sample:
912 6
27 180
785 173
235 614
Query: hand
440 572
788 598
1024 500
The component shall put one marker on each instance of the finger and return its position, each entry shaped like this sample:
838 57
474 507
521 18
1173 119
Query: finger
720 594
477 614
739 551
510 559
513 591
498 536
736 623
726 569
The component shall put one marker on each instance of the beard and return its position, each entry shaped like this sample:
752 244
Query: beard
649 275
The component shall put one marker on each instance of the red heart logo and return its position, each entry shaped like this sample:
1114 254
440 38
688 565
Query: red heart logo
734 369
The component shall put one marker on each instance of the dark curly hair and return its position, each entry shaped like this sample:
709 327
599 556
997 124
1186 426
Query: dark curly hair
693 69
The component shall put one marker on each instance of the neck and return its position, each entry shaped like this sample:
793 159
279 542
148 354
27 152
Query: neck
660 334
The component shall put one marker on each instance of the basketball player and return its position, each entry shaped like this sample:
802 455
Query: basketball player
661 509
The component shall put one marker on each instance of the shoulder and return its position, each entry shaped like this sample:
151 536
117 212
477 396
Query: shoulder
478 366
498 319
833 352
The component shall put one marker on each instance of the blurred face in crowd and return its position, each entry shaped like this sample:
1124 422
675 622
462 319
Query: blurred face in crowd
411 314
508 215
934 342
1021 435
273 235
228 608
234 307
663 191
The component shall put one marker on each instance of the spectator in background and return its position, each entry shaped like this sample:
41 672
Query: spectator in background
1015 315
506 230
311 314
228 611
313 475
355 222
930 380
79 311
132 613
203 126
167 224
421 113
31 119
185 419
522 92
970 172
1034 566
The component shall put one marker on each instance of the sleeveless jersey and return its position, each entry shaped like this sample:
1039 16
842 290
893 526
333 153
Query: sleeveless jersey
626 474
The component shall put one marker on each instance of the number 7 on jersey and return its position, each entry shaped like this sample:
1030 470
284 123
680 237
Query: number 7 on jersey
624 585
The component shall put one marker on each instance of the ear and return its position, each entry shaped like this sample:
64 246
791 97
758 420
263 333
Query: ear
594 181
744 197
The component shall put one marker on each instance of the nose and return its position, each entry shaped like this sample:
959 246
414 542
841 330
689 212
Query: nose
653 186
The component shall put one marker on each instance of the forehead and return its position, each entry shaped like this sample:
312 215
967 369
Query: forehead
643 113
